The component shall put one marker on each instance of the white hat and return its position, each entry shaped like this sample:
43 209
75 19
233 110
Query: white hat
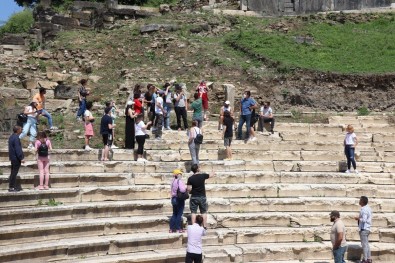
130 102
227 102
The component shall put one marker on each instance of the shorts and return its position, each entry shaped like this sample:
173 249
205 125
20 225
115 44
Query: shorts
88 129
227 141
107 139
198 201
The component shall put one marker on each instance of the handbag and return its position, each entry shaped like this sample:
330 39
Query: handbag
22 117
181 195
198 139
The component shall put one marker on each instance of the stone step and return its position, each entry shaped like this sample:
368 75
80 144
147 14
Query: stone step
280 252
358 120
90 246
152 192
102 209
205 165
60 180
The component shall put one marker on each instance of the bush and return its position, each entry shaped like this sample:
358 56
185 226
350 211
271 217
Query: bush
363 111
18 23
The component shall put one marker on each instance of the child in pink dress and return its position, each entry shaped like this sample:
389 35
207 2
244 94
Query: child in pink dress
43 146
88 124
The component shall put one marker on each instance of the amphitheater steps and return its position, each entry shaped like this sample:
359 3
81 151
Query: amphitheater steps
103 209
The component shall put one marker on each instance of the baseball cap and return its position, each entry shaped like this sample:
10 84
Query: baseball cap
227 102
335 213
177 171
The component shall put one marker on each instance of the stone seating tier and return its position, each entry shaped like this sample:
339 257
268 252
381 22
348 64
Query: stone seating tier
270 204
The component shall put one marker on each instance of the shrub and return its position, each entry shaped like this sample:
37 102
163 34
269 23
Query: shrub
18 23
363 111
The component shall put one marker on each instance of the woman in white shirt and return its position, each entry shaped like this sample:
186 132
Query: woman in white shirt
194 247
194 147
350 142
140 133
31 124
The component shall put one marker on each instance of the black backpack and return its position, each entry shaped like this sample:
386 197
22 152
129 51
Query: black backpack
43 150
199 138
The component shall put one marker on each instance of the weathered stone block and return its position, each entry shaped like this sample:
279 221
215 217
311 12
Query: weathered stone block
66 92
67 22
16 93
56 76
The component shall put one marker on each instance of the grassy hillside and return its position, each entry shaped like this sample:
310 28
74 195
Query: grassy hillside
355 46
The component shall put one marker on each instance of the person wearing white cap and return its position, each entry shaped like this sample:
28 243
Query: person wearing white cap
31 124
129 125
225 107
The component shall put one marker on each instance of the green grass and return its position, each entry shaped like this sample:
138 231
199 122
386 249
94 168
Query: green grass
345 48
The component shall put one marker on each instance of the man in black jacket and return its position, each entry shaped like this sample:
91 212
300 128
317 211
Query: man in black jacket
16 156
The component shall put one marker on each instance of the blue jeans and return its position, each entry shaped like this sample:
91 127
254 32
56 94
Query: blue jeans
349 152
338 254
31 127
167 108
247 120
178 210
46 114
82 108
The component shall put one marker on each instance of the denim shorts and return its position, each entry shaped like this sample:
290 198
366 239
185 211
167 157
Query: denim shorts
198 201
227 141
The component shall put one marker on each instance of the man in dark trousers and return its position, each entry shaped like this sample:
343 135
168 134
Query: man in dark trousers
196 187
16 156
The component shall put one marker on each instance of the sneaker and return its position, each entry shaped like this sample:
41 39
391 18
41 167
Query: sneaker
79 119
12 189
53 128
40 187
168 129
46 187
356 171
181 231
87 148
30 147
141 160
158 138
348 171
253 139
272 132
114 146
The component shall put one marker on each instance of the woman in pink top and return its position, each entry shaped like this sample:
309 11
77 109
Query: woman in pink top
178 204
43 146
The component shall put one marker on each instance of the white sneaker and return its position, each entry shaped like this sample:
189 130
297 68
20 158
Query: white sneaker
141 160
30 147
87 148
252 139
53 128
168 128
356 171
348 171
114 146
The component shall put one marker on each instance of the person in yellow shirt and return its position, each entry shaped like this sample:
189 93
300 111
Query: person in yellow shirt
40 98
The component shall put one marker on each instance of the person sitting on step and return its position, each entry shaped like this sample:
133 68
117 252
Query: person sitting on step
266 116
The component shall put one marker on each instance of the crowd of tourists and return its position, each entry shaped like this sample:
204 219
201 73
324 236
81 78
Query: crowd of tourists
150 110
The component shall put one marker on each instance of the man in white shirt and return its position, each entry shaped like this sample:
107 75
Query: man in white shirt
194 248
338 237
265 116
364 224
159 112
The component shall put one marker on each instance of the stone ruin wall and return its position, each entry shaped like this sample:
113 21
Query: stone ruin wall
281 7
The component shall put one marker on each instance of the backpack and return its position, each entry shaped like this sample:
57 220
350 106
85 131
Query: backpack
43 150
198 139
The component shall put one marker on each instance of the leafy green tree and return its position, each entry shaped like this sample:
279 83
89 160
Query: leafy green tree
18 23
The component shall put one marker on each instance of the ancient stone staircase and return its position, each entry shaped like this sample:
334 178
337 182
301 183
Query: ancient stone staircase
270 204
289 7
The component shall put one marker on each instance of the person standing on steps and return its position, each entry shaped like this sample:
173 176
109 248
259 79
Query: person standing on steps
82 94
338 237
168 103
364 225
31 124
177 203
226 107
159 114
196 106
106 127
202 89
40 98
227 134
43 146
196 187
247 104
16 157
350 142
194 147
88 125
180 106
194 248
141 134
130 115
266 116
